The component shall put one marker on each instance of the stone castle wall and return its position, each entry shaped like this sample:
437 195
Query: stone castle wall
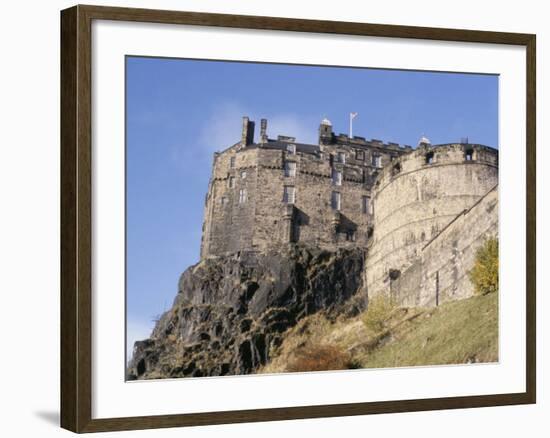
440 273
264 219
416 197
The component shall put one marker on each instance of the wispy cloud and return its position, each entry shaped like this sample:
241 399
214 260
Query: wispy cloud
222 127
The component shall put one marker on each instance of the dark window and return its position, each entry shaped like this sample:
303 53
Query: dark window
360 155
335 201
396 169
469 155
366 206
430 158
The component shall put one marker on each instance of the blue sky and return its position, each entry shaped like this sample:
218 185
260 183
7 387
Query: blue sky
180 111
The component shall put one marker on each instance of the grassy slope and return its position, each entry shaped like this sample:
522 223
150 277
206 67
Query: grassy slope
457 332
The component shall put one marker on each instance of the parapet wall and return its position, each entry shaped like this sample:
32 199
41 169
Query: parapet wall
440 273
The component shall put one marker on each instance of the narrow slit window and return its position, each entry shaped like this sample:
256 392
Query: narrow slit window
242 196
336 201
231 182
336 177
365 205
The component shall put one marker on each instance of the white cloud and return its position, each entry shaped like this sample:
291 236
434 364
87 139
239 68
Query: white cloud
136 330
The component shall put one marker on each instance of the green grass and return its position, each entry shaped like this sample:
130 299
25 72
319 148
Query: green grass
464 331
457 332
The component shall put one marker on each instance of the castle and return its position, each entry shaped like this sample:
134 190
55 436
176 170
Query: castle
420 214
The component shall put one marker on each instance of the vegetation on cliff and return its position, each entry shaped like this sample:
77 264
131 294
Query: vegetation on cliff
464 331
484 274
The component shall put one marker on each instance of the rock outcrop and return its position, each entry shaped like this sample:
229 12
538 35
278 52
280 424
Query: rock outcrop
230 312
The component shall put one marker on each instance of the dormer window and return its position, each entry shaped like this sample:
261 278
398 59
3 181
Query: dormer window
430 158
469 155
291 149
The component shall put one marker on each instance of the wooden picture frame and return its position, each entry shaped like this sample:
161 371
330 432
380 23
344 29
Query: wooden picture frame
76 217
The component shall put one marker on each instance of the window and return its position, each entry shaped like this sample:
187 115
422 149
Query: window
224 200
336 177
430 158
231 182
360 155
341 157
291 149
469 155
366 206
242 196
396 169
335 201
290 168
289 195
377 161
243 174
232 162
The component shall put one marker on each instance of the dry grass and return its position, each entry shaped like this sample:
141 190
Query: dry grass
320 358
457 332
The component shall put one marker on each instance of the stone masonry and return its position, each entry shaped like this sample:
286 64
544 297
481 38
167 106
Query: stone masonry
388 199
278 191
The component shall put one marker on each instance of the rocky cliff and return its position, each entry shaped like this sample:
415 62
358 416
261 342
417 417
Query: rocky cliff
230 312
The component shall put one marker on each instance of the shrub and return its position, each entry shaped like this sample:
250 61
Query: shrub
378 311
320 358
484 274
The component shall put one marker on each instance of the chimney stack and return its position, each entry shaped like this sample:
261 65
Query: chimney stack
263 131
247 136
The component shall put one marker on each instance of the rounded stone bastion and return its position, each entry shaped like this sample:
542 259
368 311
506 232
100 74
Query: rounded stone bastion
416 196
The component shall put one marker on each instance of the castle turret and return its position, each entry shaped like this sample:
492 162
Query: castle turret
325 132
